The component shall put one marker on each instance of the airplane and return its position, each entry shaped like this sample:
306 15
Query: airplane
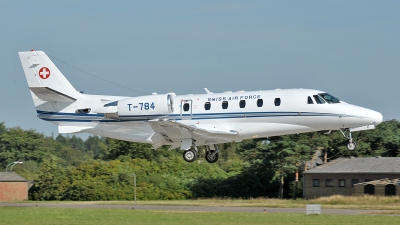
189 121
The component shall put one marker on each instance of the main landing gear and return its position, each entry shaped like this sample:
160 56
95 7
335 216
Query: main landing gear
190 155
212 155
351 145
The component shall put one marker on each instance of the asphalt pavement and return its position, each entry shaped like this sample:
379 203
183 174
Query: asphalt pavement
192 208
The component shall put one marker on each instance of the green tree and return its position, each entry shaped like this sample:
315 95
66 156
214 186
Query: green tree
3 128
95 146
51 182
384 140
280 154
74 141
60 138
229 159
17 144
117 149
28 170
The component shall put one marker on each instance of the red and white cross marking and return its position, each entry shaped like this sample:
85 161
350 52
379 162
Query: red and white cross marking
44 73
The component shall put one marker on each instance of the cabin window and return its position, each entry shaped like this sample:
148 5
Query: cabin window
315 182
329 98
186 107
260 103
310 101
329 182
353 182
83 111
242 103
277 101
318 99
207 106
342 183
224 104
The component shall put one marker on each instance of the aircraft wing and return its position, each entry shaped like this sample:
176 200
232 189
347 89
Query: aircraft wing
180 135
72 129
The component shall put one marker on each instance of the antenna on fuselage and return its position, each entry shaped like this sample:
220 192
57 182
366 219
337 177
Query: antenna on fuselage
208 91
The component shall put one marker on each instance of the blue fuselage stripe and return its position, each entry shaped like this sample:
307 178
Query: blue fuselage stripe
74 117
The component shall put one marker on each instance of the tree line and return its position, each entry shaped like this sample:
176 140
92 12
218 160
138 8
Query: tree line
69 168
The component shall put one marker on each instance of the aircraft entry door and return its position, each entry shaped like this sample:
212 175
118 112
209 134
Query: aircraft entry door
186 109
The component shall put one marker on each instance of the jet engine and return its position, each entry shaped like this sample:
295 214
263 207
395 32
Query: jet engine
146 107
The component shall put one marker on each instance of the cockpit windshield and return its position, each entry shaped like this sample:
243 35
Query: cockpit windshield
329 98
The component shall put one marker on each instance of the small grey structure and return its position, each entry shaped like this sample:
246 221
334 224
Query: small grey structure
339 176
313 209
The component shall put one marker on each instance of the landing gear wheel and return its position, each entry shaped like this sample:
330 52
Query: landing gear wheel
351 145
189 155
210 158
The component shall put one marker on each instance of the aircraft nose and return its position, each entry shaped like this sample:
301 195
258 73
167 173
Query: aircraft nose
376 117
361 117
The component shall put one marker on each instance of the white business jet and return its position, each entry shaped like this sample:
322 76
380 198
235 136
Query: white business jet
188 121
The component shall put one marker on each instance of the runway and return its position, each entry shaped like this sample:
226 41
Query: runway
193 208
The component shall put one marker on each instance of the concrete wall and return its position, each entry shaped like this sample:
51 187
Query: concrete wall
13 191
380 190
310 192
359 190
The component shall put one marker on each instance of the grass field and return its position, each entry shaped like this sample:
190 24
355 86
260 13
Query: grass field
42 215
38 215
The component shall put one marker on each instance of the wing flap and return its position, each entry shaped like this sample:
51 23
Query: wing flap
176 132
158 140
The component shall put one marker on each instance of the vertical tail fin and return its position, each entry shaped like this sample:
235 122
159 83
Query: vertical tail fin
44 79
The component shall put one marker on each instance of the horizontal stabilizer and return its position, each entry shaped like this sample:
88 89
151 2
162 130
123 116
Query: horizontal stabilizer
71 129
50 95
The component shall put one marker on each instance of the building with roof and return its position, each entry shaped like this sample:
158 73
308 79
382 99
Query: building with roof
339 176
382 187
13 187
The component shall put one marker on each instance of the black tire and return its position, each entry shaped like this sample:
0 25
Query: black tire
351 146
210 159
189 155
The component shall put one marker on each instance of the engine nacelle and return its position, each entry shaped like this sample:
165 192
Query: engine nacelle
146 107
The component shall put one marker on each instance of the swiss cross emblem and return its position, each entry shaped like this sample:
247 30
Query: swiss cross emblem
44 73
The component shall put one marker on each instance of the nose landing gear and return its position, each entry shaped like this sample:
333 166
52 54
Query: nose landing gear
351 145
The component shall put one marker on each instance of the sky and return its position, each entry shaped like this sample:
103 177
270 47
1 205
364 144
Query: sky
350 49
